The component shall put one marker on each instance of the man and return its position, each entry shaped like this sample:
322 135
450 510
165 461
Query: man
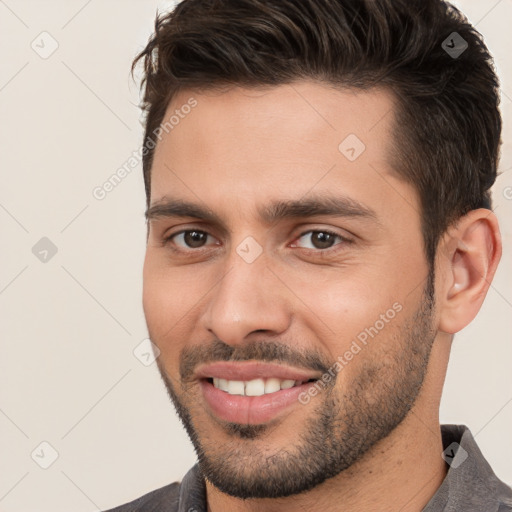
319 227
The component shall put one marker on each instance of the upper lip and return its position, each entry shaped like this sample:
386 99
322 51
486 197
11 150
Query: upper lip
250 370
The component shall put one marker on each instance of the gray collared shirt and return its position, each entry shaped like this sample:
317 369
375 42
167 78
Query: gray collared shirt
470 484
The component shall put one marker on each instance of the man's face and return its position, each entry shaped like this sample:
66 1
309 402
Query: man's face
331 304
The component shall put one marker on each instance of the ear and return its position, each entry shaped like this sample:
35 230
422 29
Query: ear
468 256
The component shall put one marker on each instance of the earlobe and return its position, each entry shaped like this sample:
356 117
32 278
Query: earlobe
472 251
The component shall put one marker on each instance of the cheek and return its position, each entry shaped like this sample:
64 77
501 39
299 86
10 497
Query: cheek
164 326
159 300
172 302
348 312
167 298
348 300
168 293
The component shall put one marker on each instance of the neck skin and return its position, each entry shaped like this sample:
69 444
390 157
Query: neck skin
400 473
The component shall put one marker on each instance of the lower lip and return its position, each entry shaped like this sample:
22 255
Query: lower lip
251 410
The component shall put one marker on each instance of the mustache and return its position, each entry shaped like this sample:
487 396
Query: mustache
264 351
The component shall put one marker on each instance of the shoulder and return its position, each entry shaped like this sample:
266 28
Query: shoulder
165 499
189 494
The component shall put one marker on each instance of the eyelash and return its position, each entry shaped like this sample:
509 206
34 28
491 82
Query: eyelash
343 241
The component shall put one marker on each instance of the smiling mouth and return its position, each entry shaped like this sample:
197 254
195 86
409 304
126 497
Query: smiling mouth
255 387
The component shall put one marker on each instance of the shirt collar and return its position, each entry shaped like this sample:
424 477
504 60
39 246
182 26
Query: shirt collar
470 483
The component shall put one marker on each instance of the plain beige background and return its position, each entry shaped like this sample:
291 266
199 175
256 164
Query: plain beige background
69 326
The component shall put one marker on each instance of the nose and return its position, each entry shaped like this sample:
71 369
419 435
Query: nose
249 298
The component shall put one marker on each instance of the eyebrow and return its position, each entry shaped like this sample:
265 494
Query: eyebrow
324 205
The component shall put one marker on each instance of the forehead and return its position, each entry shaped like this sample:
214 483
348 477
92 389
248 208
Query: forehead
286 141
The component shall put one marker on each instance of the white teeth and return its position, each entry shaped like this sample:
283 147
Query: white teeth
255 387
287 384
235 387
272 385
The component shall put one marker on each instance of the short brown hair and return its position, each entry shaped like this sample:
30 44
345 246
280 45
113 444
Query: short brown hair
447 127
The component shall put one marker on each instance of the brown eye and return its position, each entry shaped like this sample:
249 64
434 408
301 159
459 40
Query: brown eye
190 239
195 238
321 239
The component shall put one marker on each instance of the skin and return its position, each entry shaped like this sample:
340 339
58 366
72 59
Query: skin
234 152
